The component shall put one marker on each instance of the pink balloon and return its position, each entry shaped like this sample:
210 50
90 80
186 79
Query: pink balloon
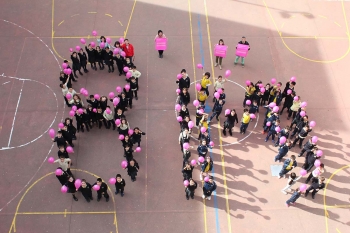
97 96
138 149
317 172
293 79
178 107
77 183
302 113
69 71
179 76
115 51
127 87
71 113
296 98
68 96
128 75
80 111
124 164
102 45
122 53
178 91
190 124
278 85
93 44
252 115
319 153
186 145
198 87
273 81
217 95
199 66
108 40
108 111
317 163
303 172
261 85
96 187
121 137
94 33
193 162
117 122
186 183
272 104
227 73
64 189
275 109
247 82
77 48
227 112
74 108
303 187
82 40
195 103
69 149
121 40
118 89
268 123
289 92
130 132
111 95
126 69
303 104
60 125
85 93
211 143
314 139
116 101
179 118
201 159
283 140
200 111
206 179
248 102
112 180
50 160
278 129
94 110
219 91
64 65
52 133
262 90
312 123
203 129
70 50
58 172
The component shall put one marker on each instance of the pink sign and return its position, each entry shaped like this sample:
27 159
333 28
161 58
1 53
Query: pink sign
161 43
242 50
220 50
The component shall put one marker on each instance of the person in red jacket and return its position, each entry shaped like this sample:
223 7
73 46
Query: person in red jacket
128 49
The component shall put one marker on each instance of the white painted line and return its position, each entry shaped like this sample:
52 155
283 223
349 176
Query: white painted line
5 83
14 117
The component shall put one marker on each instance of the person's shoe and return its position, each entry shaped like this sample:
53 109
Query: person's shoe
82 130
112 71
107 199
299 155
136 98
81 73
91 198
203 196
284 192
132 180
307 193
313 196
242 65
230 132
287 205
72 145
273 141
130 106
235 63
187 198
76 76
116 192
98 199
224 132
159 55
109 71
220 68
217 119
75 80
208 198
216 64
75 198
85 71
122 194
101 68
279 177
120 74
266 140
88 200
292 203
192 197
288 118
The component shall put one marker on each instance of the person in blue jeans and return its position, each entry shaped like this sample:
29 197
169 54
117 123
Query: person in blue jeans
244 42
208 188
294 197
288 165
282 151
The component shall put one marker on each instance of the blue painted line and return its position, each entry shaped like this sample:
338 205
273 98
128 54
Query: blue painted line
208 110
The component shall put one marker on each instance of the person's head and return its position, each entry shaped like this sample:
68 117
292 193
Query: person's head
245 111
132 163
305 118
123 95
92 98
132 79
83 183
233 112
223 90
124 121
99 181
62 86
267 87
184 74
89 106
67 120
119 111
293 175
108 107
99 110
292 157
255 103
126 41
133 68
286 129
321 165
118 177
61 73
126 138
243 39
187 118
89 47
188 165
107 49
62 158
292 84
74 54
136 130
204 142
184 90
208 159
127 60
160 33
103 39
185 130
81 51
183 107
315 149
127 147
306 127
220 78
288 142
61 148
211 179
207 75
191 181
103 98
117 44
221 42
70 178
277 122
59 134
321 179
98 48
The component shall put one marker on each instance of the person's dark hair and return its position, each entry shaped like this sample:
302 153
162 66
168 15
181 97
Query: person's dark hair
132 78
118 175
211 177
74 53
221 40
245 110
207 74
183 71
59 132
62 157
91 96
126 40
219 76
293 83
287 127
83 180
61 85
60 147
223 89
293 157
160 31
99 179
102 37
116 43
243 37
65 61
292 176
136 128
322 165
134 67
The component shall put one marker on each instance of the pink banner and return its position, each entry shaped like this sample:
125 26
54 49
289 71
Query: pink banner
242 50
161 43
220 50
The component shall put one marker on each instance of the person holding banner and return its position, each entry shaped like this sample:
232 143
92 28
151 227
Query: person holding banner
220 52
160 41
242 51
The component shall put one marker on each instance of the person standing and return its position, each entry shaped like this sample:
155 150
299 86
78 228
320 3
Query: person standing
219 84
302 135
291 181
63 178
206 167
316 173
187 171
85 190
282 151
288 165
133 168
64 164
293 198
190 189
108 59
317 185
76 64
217 110
91 56
160 35
244 42
218 60
245 121
102 191
184 81
83 60
128 49
230 122
208 188
71 187
119 185
206 82
309 145
310 159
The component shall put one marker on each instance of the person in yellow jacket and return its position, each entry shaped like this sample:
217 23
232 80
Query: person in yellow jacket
202 97
245 121
249 93
206 82
294 109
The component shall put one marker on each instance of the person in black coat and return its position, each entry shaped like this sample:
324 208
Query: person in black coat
120 61
230 122
85 190
184 97
185 81
310 159
127 142
134 86
67 136
60 140
99 57
119 185
91 56
70 127
282 151
128 153
94 103
123 102
190 189
289 86
76 64
217 110
136 136
316 185
283 133
92 115
102 191
297 117
62 178
83 60
100 118
300 125
71 76
129 96
80 123
62 152
186 155
71 187
86 119
301 136
288 102
133 168
108 58
309 145
187 171
118 113
184 111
